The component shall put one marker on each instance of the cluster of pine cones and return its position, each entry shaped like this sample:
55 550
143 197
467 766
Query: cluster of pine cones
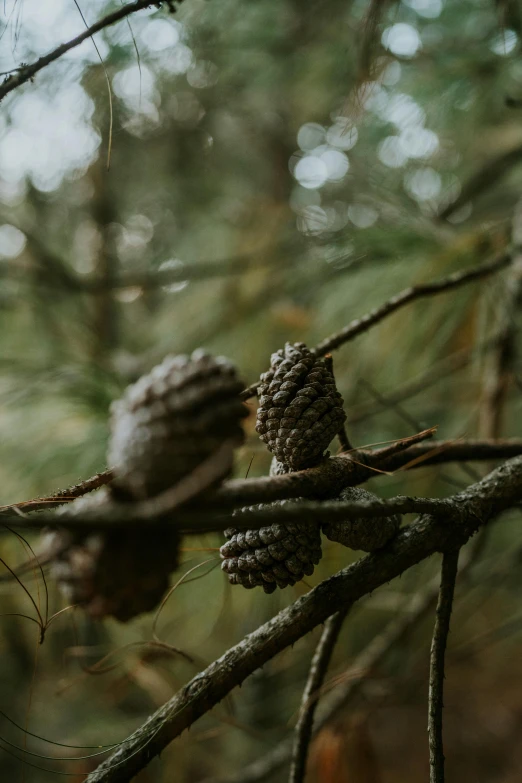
300 411
166 425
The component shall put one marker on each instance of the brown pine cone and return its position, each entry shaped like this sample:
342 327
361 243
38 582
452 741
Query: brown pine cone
363 533
274 556
171 420
111 573
300 410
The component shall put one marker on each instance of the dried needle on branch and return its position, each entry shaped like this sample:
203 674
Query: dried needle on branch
63 495
328 479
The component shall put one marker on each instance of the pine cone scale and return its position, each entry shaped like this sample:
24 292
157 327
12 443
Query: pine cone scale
171 420
165 426
272 556
300 409
362 533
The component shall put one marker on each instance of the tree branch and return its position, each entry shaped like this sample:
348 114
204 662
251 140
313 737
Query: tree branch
316 675
26 72
338 511
499 490
438 650
365 664
336 473
63 495
411 294
326 480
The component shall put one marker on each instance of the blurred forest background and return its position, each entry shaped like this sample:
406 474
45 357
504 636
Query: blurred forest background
264 186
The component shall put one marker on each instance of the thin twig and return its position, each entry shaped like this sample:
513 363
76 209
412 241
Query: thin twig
26 72
324 481
411 294
63 495
448 576
342 435
363 667
344 441
210 686
316 675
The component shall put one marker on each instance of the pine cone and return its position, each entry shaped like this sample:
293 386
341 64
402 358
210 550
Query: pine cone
277 468
274 556
364 533
300 410
171 420
111 573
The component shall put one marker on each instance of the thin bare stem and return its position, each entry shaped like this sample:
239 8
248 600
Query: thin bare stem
316 675
411 294
348 686
326 480
448 576
342 435
63 495
210 686
26 72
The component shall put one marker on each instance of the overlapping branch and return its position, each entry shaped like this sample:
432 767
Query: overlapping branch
26 73
474 507
366 663
326 480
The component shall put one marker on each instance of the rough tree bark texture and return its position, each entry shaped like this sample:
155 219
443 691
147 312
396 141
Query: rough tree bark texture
326 480
473 507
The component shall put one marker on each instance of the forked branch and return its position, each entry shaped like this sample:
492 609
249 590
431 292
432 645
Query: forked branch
364 666
325 481
501 489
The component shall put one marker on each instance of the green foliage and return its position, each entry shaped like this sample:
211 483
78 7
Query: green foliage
232 162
